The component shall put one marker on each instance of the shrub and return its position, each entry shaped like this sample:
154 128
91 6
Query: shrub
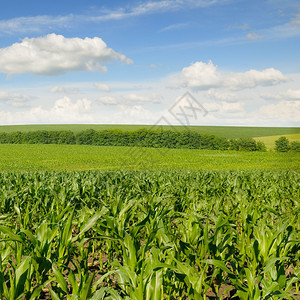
282 144
246 144
295 146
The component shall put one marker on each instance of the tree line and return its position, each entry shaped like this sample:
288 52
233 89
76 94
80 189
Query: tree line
284 145
156 138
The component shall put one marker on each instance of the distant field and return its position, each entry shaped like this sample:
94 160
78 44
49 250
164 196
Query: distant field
78 157
222 131
270 140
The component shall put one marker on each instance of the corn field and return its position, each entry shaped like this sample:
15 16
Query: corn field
150 235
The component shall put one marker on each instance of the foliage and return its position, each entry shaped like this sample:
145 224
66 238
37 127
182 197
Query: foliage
155 138
295 146
149 235
246 144
282 144
269 141
38 137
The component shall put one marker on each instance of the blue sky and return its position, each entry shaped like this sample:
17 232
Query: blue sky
130 61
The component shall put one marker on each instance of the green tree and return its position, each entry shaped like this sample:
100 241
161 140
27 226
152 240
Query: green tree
295 146
282 144
260 146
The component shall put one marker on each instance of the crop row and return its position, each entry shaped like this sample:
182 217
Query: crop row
149 235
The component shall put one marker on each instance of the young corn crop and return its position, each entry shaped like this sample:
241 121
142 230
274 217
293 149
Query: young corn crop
150 235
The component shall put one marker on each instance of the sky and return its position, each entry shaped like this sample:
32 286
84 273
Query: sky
137 62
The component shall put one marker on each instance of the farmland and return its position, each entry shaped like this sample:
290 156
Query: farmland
111 222
221 131
25 157
269 141
150 235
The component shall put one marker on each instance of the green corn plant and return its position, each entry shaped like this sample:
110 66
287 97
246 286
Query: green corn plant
19 278
43 244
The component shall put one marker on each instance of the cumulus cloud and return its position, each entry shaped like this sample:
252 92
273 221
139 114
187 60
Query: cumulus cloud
200 75
66 104
55 54
102 87
64 110
203 76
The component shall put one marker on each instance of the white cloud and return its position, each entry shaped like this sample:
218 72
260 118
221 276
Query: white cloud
135 114
55 54
34 23
108 100
203 76
60 89
45 22
102 87
65 104
286 30
151 7
254 36
130 99
15 100
64 110
200 75
222 95
136 98
282 111
174 27
254 78
290 94
296 20
224 107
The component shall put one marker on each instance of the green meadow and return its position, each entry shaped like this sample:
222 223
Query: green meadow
24 157
269 141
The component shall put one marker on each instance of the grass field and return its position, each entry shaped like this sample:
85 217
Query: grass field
221 131
78 157
269 141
